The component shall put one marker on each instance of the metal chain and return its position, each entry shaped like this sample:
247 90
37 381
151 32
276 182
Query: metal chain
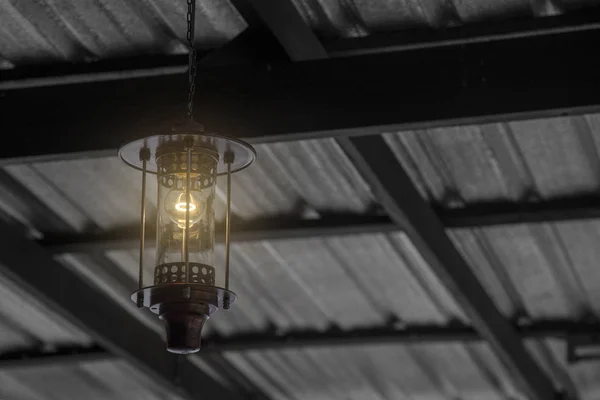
191 21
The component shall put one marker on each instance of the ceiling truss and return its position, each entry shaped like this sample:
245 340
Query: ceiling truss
476 84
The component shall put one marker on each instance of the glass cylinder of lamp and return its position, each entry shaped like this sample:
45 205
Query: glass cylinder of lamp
185 217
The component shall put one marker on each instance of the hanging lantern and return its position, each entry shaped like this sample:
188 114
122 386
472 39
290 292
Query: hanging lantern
188 286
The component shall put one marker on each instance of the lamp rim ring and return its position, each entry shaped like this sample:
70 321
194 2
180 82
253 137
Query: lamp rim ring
244 153
173 292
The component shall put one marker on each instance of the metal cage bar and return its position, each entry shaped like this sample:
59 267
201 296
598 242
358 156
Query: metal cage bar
188 194
144 157
228 160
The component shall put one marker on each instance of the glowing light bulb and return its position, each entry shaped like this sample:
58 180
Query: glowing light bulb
176 207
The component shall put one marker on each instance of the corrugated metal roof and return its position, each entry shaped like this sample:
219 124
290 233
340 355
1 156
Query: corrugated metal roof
542 271
379 373
13 337
31 321
351 18
87 194
545 270
290 178
524 160
90 380
551 354
45 31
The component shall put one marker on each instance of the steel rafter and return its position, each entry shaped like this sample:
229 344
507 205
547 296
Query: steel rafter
478 215
302 339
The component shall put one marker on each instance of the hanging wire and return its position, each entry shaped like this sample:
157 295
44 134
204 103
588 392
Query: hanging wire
191 24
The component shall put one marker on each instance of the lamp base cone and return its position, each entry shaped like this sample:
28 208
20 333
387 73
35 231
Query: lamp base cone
184 323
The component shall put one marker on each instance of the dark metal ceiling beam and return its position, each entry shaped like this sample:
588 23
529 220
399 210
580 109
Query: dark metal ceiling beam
460 333
283 20
278 101
279 228
61 355
400 199
32 268
296 339
479 215
493 213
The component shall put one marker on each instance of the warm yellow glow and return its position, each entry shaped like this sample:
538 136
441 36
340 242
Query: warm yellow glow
182 206
176 207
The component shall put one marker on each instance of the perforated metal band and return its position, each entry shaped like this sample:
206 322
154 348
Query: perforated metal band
174 272
172 169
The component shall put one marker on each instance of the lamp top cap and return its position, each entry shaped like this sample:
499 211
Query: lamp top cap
243 154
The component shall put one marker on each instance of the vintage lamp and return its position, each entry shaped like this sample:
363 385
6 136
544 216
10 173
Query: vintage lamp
188 286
